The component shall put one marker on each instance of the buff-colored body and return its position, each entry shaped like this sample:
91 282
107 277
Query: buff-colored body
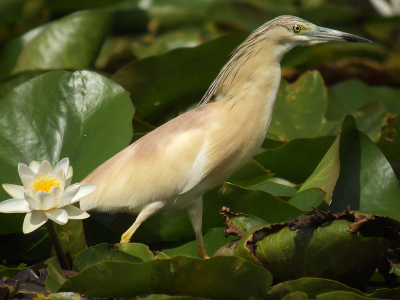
174 165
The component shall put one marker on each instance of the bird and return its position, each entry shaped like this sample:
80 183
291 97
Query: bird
174 165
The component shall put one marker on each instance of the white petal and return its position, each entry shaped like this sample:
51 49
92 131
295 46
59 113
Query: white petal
47 201
33 203
60 176
70 172
84 190
62 165
67 182
58 215
15 191
24 170
69 194
27 181
75 213
34 166
33 221
68 178
14 206
57 192
46 168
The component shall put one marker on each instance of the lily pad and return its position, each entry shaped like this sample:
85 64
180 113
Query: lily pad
72 42
326 173
307 199
213 240
102 253
274 188
311 286
296 168
299 108
217 277
56 276
366 180
346 247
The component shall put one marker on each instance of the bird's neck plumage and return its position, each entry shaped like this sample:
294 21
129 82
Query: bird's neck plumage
248 84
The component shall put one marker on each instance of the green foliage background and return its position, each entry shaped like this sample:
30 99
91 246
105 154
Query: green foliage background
84 79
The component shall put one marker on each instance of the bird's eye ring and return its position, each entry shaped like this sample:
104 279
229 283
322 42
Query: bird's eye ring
296 28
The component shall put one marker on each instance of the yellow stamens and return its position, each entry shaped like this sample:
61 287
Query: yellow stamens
45 184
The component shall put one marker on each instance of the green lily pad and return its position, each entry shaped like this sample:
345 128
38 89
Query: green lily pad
389 143
347 97
326 173
369 105
274 188
102 253
387 294
56 277
72 42
217 277
307 199
213 240
239 247
327 251
340 295
167 42
138 250
366 180
299 109
10 83
254 202
239 221
311 286
296 296
296 168
252 173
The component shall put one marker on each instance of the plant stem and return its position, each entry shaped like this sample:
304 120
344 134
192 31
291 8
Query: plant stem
62 259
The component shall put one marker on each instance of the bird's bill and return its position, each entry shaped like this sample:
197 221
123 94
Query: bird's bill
322 34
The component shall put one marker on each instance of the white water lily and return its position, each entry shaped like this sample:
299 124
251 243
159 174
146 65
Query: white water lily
46 193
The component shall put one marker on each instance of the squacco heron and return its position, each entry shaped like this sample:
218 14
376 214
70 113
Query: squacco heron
174 165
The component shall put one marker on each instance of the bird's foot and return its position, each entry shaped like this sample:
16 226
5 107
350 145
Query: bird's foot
125 239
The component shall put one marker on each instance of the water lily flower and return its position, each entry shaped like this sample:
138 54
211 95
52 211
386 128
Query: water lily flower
46 193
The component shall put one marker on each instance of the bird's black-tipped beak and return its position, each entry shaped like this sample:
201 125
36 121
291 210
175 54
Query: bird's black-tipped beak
322 34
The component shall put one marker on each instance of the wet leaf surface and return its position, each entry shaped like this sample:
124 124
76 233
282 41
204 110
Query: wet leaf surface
366 180
304 103
295 168
102 253
69 43
221 277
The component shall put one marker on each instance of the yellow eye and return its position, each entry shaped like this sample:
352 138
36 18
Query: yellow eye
296 28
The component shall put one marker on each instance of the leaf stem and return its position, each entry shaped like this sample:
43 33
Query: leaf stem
62 259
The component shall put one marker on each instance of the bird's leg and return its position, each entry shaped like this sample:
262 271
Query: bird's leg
195 212
146 213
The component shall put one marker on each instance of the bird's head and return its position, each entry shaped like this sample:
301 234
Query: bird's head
292 31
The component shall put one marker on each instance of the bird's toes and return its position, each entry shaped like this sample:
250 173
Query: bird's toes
125 239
